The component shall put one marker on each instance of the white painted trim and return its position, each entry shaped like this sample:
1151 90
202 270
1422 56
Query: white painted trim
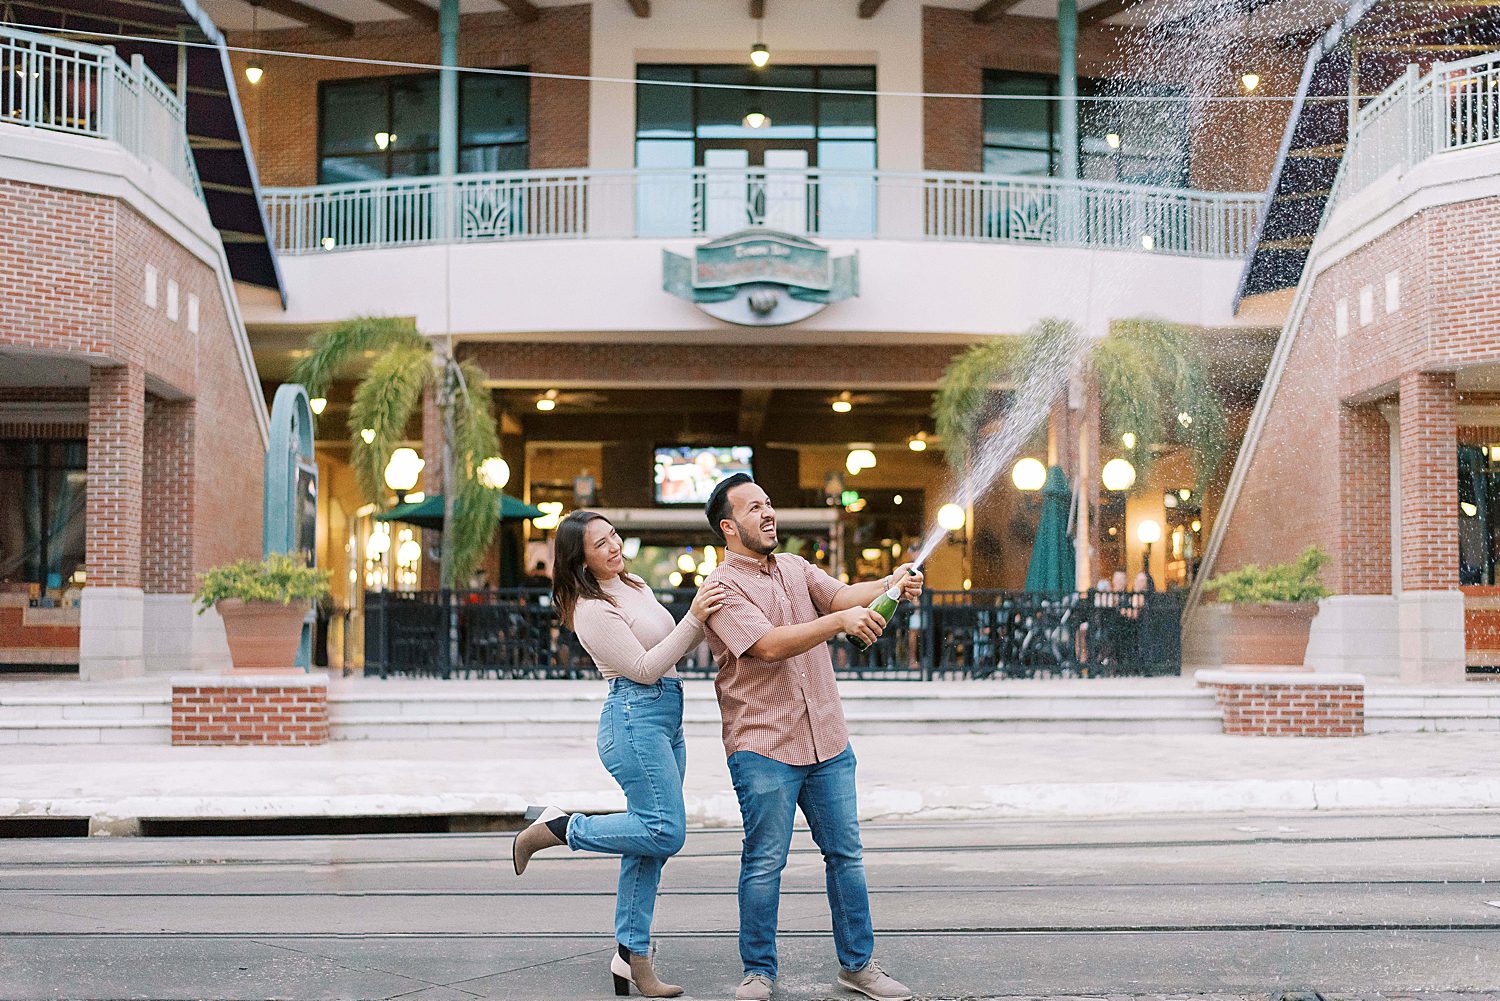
98 167
1288 679
299 679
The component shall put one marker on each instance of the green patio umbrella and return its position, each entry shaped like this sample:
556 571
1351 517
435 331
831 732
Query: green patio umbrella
1052 569
428 513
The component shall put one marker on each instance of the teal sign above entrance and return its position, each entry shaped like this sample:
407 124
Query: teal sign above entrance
761 277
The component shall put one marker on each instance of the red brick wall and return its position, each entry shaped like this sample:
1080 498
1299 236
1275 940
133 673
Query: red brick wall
281 112
167 508
55 267
1234 143
1429 481
117 417
1365 504
1269 709
783 365
228 712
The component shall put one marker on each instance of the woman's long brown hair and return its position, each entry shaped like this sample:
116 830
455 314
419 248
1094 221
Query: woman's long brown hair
572 580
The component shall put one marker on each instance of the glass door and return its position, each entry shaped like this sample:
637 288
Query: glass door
756 183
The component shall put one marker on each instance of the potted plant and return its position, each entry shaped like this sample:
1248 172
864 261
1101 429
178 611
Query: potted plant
1269 610
263 605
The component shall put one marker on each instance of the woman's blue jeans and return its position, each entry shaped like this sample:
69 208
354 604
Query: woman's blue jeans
641 743
770 793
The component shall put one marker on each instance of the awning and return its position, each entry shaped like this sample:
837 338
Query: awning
428 513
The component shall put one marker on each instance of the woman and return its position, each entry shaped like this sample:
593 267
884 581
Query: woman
635 645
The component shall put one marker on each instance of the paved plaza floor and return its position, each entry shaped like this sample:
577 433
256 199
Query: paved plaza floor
1228 907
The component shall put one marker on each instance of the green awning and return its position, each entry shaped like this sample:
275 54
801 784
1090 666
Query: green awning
1053 566
428 513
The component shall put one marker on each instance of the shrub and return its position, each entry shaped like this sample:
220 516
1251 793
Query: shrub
1294 581
279 578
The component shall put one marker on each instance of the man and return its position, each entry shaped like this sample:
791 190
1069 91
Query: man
784 730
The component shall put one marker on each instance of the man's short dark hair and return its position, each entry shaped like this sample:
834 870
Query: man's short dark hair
718 505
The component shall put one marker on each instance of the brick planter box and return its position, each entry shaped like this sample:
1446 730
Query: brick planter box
1288 705
272 709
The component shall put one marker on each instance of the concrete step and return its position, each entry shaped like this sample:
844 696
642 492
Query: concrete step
1434 710
85 731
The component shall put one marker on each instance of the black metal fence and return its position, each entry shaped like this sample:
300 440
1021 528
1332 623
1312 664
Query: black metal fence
513 633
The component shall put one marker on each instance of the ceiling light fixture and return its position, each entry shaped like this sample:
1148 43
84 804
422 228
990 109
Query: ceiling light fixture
760 56
756 119
253 69
843 404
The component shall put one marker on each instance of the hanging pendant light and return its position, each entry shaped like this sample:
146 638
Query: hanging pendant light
1249 79
253 69
756 119
760 55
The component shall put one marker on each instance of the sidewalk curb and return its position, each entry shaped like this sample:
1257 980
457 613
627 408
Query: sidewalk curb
877 803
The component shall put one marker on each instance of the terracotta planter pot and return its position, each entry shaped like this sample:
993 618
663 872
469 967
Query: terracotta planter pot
263 635
1274 633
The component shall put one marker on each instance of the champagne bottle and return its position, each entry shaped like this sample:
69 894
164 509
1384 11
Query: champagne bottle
885 607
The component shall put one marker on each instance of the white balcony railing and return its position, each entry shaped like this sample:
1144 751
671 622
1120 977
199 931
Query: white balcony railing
703 202
64 86
1455 106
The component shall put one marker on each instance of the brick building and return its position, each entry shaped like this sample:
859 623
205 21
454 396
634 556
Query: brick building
132 427
517 181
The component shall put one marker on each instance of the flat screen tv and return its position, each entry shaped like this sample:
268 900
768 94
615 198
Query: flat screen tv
686 474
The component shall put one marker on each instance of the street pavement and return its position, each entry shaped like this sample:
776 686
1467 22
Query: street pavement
1223 906
902 777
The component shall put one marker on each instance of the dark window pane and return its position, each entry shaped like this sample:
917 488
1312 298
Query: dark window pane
1025 123
353 112
844 116
493 109
414 111
339 169
664 112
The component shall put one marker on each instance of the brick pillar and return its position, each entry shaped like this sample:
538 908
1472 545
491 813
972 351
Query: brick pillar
167 536
1364 556
1431 605
1357 630
110 631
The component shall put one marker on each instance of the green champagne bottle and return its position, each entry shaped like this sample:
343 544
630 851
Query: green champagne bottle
885 607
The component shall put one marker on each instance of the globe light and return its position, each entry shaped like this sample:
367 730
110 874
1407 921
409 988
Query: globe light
1148 532
402 471
494 472
675 579
918 443
317 405
860 458
1118 474
1029 474
842 406
378 544
686 563
367 435
1128 439
409 552
952 518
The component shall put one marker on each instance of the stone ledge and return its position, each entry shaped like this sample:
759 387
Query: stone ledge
317 679
1279 678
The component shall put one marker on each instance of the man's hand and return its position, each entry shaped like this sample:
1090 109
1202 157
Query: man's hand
863 623
912 583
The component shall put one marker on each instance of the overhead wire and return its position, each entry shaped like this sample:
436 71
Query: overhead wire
405 64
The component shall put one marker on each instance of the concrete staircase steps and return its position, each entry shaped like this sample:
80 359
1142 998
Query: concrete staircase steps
1431 709
84 719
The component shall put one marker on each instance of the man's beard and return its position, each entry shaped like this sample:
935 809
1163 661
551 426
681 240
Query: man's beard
763 548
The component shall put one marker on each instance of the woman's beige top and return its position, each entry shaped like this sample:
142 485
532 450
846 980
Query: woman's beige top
636 639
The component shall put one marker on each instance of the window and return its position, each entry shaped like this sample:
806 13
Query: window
1022 137
677 125
381 127
42 498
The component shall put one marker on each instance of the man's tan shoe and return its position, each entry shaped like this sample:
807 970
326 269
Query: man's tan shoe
755 987
873 982
534 838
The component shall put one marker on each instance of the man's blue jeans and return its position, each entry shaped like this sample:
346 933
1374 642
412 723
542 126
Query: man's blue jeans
641 743
769 794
